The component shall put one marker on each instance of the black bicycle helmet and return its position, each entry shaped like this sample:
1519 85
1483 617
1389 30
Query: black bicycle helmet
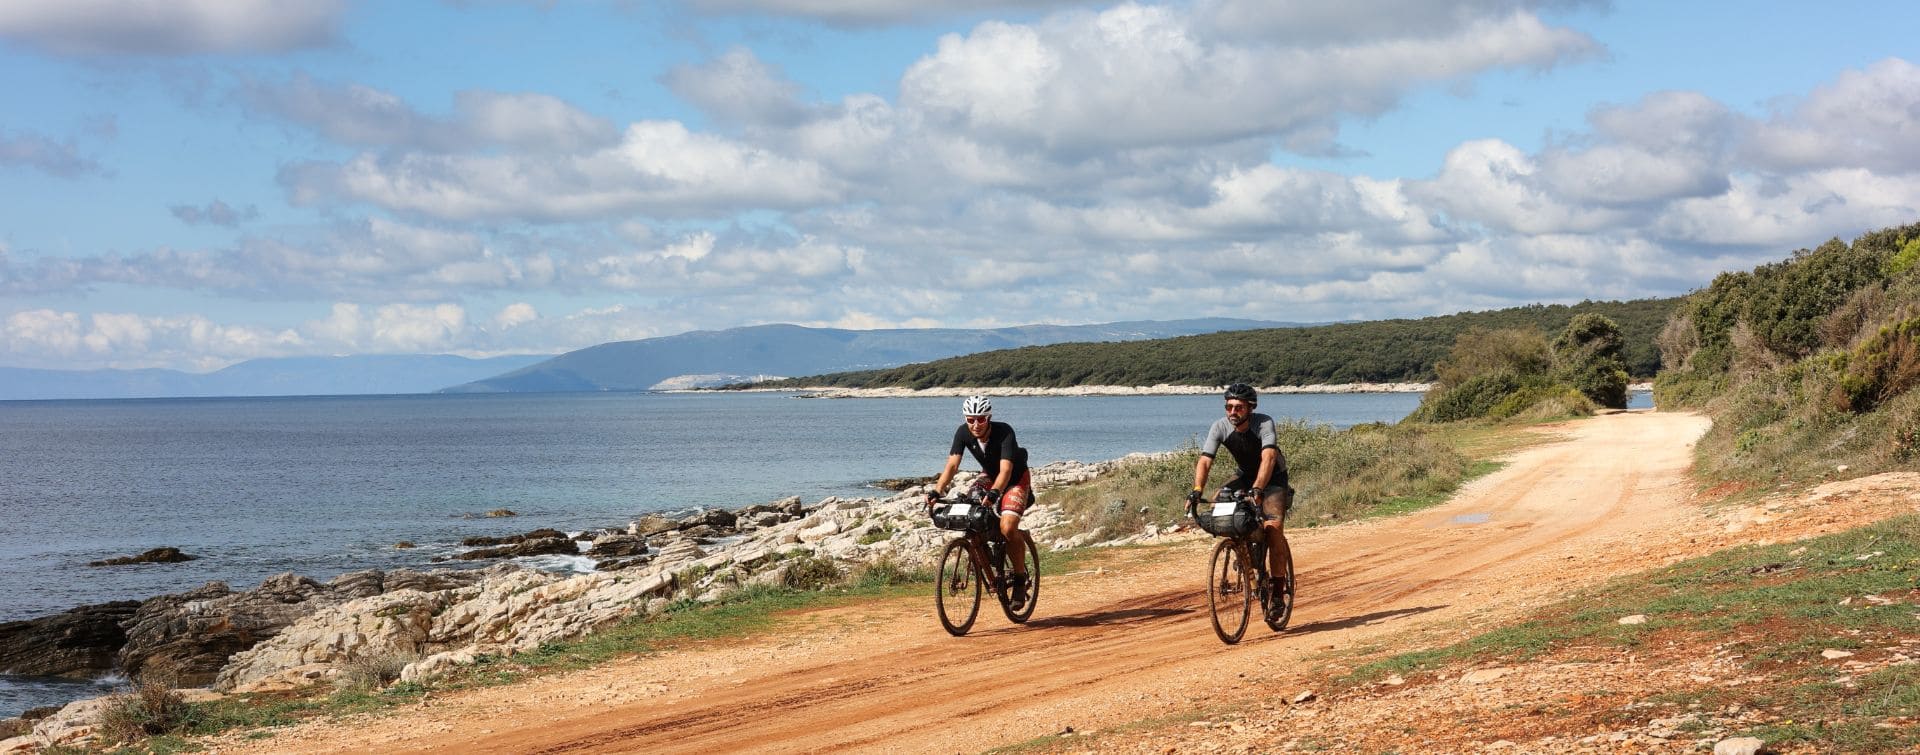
1243 392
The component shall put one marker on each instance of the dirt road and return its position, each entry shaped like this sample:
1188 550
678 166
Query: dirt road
1126 643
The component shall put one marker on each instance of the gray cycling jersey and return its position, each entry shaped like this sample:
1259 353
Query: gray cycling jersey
1245 446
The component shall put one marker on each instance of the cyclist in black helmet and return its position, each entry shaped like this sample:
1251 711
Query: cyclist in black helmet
1251 438
1004 479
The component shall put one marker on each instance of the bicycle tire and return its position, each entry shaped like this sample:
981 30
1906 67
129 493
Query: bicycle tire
957 589
1229 592
1278 616
1033 588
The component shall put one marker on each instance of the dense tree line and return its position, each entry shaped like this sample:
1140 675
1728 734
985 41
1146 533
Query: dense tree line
1381 351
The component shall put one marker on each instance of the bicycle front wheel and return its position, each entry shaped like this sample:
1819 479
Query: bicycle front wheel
1033 588
957 595
1229 590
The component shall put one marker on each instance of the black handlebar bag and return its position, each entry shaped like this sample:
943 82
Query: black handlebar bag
963 517
1236 518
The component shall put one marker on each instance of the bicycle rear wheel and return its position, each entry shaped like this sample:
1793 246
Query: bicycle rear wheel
1279 606
1033 587
957 593
1229 590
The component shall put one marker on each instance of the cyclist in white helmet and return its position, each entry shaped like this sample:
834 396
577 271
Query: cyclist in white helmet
1004 478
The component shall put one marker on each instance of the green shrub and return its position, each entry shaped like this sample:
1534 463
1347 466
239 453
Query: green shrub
1904 259
1793 296
1479 351
1906 439
1687 389
1846 322
1602 382
886 571
1508 374
1886 366
1541 402
373 670
150 708
811 572
1472 398
1587 357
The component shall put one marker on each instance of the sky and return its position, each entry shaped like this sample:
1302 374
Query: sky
187 184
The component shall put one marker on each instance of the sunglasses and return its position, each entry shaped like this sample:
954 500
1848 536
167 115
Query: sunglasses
1240 407
977 420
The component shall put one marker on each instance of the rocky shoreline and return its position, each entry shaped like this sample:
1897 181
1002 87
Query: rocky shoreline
293 631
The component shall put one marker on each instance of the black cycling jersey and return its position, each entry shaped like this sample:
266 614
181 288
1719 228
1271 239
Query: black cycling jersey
1000 445
1245 446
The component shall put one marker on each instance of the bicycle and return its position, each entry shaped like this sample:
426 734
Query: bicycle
1237 572
977 557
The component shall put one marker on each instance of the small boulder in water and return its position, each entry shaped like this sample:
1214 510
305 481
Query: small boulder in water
167 555
498 513
618 546
901 483
528 547
652 524
539 534
403 545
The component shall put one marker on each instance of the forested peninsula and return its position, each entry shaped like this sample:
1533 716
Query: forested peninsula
1379 351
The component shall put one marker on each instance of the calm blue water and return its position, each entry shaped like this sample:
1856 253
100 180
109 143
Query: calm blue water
325 485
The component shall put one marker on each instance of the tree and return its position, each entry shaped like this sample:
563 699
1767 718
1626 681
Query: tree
1587 357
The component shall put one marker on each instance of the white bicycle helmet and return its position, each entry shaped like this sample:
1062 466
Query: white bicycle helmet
976 406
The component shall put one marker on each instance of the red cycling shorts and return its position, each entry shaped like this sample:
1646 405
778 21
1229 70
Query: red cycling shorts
1019 495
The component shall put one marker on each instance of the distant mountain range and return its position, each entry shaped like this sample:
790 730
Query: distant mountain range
716 357
290 376
696 359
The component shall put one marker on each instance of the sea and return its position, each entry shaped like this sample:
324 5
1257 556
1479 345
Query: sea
320 486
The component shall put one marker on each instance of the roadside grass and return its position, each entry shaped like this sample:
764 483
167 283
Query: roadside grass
1339 475
1770 610
1484 441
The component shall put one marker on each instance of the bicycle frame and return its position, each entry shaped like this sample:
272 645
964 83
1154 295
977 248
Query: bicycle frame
957 592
